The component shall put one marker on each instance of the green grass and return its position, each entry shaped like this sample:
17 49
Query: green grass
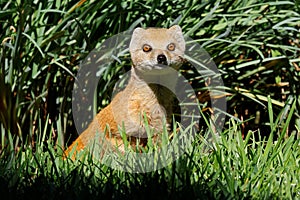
232 168
255 45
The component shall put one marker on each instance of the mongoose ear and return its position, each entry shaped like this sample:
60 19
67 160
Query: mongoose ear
137 31
176 32
176 29
136 35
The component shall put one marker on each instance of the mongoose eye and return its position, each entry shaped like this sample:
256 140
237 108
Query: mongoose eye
147 48
171 47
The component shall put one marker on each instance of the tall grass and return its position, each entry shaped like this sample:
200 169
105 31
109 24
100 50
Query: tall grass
255 45
232 168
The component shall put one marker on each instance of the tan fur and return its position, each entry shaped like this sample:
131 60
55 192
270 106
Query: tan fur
143 96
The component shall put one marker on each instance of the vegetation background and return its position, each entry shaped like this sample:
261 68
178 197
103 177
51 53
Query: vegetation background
255 45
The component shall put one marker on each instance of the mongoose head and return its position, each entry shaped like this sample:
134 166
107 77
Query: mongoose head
156 48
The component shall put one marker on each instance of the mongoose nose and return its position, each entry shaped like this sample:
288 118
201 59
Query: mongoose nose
161 59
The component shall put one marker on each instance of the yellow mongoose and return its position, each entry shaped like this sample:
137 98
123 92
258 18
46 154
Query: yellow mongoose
154 52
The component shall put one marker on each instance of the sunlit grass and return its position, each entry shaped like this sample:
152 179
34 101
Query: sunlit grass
232 167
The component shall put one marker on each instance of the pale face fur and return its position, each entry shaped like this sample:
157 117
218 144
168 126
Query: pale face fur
165 44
